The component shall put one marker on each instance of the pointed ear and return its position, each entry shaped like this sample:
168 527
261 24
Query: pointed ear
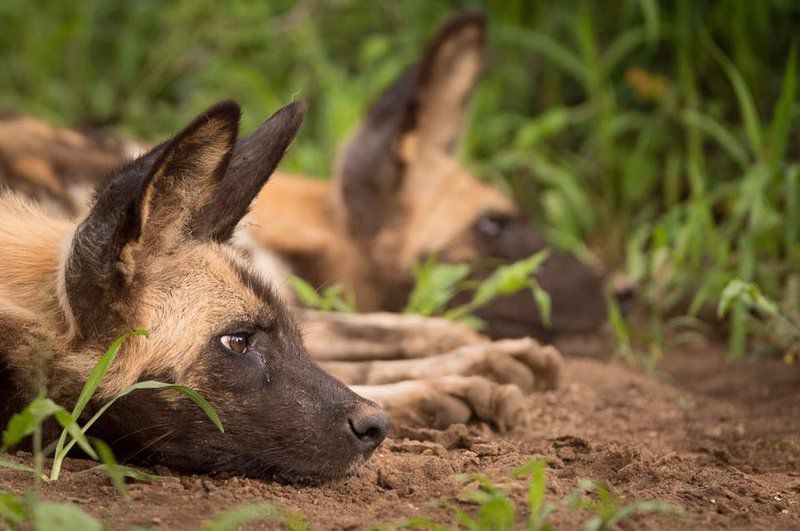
147 207
448 71
428 102
254 159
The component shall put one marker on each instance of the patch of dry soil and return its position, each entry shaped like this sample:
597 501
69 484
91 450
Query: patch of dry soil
718 438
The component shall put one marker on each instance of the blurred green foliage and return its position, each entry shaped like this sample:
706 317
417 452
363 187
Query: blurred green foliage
660 135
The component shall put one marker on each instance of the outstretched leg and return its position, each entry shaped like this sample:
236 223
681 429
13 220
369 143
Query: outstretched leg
381 336
522 362
440 402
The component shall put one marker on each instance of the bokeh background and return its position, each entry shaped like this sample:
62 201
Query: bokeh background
657 136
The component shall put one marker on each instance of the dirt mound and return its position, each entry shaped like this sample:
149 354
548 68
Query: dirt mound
720 439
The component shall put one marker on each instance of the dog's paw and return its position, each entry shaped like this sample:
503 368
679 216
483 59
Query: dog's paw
522 362
462 399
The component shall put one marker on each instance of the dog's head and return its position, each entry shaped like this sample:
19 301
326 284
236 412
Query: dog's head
405 195
153 253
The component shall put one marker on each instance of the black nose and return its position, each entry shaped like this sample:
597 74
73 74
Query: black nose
369 425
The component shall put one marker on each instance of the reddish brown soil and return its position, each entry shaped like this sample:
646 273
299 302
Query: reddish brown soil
718 438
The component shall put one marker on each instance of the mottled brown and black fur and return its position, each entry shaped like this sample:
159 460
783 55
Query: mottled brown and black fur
152 252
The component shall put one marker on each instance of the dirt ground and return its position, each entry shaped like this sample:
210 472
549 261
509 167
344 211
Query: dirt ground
720 439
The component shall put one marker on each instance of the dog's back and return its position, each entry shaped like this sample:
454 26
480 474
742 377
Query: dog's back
57 167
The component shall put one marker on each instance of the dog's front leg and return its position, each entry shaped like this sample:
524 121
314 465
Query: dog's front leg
332 336
522 362
440 402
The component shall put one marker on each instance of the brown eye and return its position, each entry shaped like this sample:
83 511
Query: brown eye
236 343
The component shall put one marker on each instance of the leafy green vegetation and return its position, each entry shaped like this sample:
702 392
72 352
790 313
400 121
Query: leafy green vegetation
16 510
437 284
496 511
781 323
655 136
333 298
235 517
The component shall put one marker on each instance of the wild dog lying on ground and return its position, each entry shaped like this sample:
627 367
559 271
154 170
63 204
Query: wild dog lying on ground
153 252
399 195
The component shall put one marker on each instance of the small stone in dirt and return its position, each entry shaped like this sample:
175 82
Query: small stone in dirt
455 436
190 482
208 486
161 470
437 468
388 480
571 441
566 454
721 455
419 448
485 449
723 508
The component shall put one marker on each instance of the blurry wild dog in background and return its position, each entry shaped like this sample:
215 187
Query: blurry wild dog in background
399 195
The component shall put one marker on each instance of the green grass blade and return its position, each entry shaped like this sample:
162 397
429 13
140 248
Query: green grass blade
780 126
150 384
25 422
240 515
49 515
71 427
99 371
196 397
12 465
12 509
747 108
88 390
306 293
791 234
543 303
652 18
623 46
559 55
714 129
111 466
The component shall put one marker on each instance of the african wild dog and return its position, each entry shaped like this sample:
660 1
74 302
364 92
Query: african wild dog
399 195
152 253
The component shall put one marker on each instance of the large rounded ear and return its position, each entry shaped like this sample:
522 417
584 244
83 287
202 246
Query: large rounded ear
254 159
147 207
429 101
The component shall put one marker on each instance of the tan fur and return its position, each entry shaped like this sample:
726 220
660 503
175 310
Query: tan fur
37 171
30 244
